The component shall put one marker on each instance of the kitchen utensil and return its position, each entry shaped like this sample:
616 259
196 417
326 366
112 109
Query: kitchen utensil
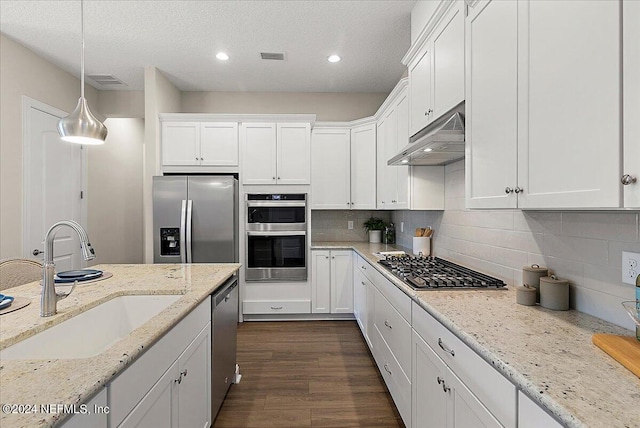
5 301
526 295
623 349
633 307
531 276
554 293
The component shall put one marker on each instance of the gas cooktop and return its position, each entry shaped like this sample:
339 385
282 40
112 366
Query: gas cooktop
430 273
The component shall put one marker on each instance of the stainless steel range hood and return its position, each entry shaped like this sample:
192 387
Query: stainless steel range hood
439 143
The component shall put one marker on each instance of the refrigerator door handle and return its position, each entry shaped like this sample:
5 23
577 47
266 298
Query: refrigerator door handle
189 215
183 213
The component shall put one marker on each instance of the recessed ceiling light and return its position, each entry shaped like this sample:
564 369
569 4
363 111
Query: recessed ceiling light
222 56
333 58
428 149
405 161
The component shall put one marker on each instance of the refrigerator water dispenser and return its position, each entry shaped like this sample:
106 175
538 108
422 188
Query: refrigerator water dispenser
169 241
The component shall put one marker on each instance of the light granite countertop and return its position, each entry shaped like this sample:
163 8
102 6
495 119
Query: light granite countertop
547 354
75 381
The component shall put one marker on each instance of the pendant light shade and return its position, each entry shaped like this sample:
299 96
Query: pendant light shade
81 126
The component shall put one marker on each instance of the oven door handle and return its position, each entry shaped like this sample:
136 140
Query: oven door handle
276 233
276 204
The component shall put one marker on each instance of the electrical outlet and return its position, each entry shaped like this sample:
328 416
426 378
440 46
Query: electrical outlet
630 267
401 226
350 225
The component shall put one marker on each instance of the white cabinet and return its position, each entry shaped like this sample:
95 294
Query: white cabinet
363 298
96 418
631 100
332 281
439 398
276 153
343 168
491 120
543 125
436 74
330 168
530 415
199 144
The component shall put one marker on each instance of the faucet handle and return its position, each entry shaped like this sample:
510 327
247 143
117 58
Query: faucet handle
61 296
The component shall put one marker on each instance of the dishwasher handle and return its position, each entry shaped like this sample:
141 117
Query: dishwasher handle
221 295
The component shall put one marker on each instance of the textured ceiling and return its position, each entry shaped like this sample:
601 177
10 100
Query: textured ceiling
181 39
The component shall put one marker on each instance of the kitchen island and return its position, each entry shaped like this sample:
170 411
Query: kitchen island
546 354
75 381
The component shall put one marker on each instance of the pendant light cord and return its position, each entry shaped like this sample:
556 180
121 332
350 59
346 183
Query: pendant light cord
82 51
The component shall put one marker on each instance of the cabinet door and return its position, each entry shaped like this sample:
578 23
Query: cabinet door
530 415
569 142
363 167
180 142
631 99
194 399
468 411
448 61
420 91
402 139
381 170
491 104
97 418
258 153
390 184
159 407
341 282
369 318
294 153
330 159
219 144
429 402
320 282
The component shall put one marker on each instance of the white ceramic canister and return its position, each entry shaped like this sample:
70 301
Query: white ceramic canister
421 245
554 293
531 276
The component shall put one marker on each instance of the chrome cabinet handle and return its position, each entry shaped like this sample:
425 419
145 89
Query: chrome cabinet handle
182 374
196 157
445 348
333 257
278 178
518 190
386 368
445 388
276 307
36 252
386 322
326 257
364 267
627 179
362 282
508 190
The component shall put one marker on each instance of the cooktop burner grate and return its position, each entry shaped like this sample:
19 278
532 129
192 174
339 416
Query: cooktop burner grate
435 273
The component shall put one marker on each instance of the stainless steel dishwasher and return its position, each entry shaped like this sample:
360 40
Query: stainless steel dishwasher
223 342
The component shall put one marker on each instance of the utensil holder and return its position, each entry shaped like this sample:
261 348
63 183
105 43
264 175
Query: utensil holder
421 244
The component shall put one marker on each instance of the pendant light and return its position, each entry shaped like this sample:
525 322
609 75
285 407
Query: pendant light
81 126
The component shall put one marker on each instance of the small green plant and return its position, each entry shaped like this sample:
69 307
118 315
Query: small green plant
374 223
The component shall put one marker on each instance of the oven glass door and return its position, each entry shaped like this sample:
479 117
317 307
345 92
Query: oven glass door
275 256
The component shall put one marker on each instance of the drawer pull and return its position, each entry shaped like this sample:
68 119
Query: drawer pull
386 368
276 307
362 282
363 267
445 388
182 374
386 322
445 348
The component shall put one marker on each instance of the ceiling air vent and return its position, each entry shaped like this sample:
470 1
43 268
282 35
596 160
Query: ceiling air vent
105 79
276 56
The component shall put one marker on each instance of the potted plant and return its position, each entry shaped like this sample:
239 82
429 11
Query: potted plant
374 226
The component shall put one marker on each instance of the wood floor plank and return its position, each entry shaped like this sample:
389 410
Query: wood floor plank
307 373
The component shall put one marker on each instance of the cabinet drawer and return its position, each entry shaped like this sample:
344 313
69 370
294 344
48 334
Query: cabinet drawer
491 388
276 307
395 331
398 384
400 301
365 267
126 390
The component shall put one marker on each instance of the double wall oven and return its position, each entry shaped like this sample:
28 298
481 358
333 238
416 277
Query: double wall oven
276 246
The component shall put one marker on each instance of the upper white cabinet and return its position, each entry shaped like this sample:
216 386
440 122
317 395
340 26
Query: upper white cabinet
543 119
208 144
276 153
343 167
631 100
436 69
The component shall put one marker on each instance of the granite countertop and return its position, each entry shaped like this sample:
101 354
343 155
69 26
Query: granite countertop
547 354
74 381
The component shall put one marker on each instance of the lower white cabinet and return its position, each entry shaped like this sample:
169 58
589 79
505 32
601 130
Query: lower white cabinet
363 300
97 413
530 415
439 398
332 281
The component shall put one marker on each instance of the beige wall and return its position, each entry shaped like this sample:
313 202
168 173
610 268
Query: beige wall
22 72
128 104
114 198
160 96
328 106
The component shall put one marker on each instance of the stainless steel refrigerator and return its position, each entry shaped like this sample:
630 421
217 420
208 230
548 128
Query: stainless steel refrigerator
195 219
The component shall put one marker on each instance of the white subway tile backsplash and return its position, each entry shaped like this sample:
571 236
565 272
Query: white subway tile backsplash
586 250
606 279
537 221
612 226
602 305
616 249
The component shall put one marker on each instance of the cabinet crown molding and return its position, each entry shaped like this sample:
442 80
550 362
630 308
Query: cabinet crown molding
435 19
241 118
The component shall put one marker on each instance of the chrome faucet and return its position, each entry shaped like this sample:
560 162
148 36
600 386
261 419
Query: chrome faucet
49 298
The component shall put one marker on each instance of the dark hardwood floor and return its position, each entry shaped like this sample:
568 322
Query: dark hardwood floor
306 373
